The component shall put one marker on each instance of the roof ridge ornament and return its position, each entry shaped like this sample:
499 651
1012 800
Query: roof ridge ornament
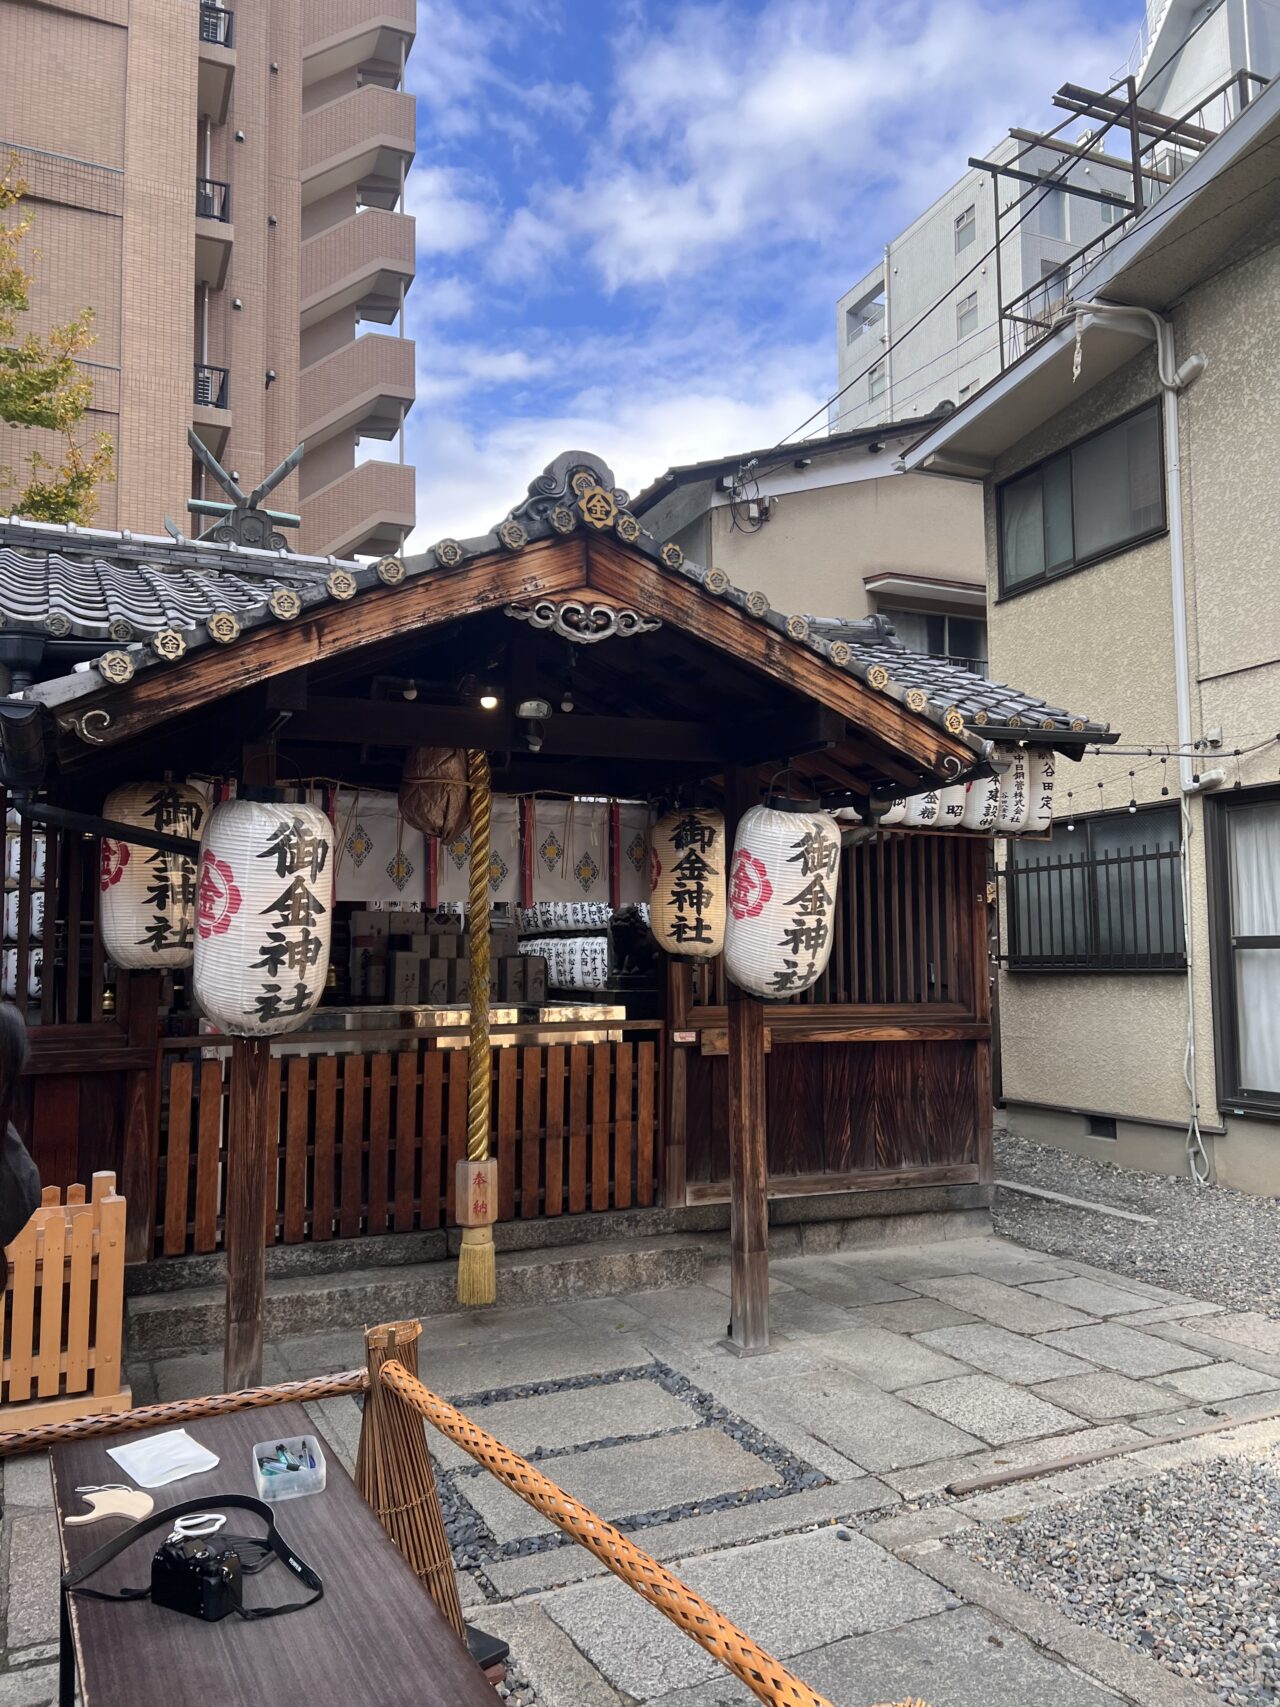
576 490
243 521
583 624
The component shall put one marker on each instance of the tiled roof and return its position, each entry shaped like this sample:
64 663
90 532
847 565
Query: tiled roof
175 597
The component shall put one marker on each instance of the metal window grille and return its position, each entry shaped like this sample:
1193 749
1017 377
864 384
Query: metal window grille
1106 912
213 199
211 386
217 24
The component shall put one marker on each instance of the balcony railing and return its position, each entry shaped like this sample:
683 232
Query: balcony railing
976 666
212 387
217 24
213 199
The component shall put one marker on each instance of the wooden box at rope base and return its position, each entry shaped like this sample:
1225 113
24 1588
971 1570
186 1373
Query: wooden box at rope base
477 1193
63 1309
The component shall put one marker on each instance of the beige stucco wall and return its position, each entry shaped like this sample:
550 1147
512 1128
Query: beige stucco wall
1102 640
813 552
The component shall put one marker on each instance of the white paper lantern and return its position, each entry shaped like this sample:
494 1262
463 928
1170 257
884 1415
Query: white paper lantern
147 904
921 810
981 804
263 916
782 894
894 813
1043 768
686 876
1015 796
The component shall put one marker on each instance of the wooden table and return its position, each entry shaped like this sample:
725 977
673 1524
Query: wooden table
376 1637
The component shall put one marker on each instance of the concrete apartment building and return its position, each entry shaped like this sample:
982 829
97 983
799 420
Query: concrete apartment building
834 527
885 375
222 186
1133 548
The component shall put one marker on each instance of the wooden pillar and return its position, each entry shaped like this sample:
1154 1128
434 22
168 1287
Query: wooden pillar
139 994
748 1133
677 994
981 964
250 1144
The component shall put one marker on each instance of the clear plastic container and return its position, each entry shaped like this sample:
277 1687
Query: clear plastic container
272 1475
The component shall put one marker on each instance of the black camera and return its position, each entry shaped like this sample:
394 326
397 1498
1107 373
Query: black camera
196 1576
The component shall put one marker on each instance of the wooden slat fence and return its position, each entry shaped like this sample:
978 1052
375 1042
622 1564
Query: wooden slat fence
897 926
62 1309
367 1143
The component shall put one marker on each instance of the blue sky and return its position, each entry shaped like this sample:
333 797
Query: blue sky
634 220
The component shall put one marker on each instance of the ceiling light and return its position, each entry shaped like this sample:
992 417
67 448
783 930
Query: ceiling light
489 701
533 708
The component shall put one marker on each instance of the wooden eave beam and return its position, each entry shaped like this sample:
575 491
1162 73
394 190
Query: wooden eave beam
616 575
549 568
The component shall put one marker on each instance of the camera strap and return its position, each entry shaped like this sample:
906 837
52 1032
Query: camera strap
73 1579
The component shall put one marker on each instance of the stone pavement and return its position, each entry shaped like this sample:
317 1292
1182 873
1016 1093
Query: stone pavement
803 1492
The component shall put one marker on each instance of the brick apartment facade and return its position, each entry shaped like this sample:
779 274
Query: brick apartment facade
222 185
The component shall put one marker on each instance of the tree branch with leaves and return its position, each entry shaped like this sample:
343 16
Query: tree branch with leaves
41 385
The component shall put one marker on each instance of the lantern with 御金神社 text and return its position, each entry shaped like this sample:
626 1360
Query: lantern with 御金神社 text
782 894
686 874
147 898
263 916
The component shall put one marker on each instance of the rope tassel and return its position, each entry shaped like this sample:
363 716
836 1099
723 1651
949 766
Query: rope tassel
474 1187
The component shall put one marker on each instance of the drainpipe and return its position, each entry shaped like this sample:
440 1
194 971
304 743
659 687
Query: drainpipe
1173 379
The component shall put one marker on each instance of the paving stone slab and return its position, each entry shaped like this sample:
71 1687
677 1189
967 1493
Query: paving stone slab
574 1418
553 1356
34 1566
773 1414
839 1281
1000 1259
889 1360
877 1430
955 1658
1006 1306
1250 1328
620 1481
560 1675
914 1316
1190 1419
1094 1297
990 1409
686 1536
1126 1350
996 1351
308 1355
28 1482
192 1376
696 1313
1220 1381
843 1587
1104 1394
34 1686
923 1479
802 1316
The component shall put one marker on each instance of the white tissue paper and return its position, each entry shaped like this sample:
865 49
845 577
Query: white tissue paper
164 1458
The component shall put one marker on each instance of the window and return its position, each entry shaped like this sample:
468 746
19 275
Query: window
1245 921
967 314
966 228
876 382
959 639
1103 494
1112 212
1105 896
1051 214
1054 293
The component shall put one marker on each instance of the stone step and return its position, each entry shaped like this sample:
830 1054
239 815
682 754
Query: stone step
166 1324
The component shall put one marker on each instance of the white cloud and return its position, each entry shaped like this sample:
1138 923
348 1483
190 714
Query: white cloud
445 298
448 203
726 130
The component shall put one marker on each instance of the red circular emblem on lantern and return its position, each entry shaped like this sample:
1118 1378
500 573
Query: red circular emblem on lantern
655 870
749 886
115 856
217 896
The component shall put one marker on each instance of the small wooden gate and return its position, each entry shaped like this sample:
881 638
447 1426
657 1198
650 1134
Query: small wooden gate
63 1309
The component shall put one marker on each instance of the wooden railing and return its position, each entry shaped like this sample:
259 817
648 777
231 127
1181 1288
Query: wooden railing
366 1142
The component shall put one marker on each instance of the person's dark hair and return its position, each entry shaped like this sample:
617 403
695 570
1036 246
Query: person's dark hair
13 1057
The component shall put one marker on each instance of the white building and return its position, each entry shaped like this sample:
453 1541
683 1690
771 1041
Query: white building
890 368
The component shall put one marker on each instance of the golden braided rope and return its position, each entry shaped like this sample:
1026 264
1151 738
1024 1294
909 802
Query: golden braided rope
765 1677
479 1064
183 1410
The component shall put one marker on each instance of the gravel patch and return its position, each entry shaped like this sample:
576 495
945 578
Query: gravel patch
1222 1246
516 1687
1181 1567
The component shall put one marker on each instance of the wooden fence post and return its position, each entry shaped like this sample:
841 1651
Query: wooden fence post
250 1144
140 1158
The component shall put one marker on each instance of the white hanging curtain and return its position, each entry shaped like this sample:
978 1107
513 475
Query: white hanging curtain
633 854
1254 833
571 851
504 856
379 856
